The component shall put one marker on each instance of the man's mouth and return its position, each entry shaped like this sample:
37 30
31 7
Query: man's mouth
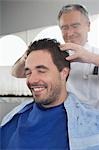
38 89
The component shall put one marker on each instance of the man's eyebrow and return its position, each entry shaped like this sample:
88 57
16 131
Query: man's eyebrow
73 24
76 23
37 67
42 67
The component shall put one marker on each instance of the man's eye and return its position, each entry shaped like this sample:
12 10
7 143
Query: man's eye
27 73
64 28
76 26
42 71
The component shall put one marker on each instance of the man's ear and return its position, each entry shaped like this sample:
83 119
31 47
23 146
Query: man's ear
65 73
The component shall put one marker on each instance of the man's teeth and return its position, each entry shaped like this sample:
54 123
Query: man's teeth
36 89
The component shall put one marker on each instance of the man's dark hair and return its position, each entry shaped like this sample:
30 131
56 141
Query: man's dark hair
70 7
52 46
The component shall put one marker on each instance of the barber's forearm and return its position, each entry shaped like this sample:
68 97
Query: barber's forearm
18 69
95 59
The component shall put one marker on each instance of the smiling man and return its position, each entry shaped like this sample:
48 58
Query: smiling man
43 79
56 120
41 124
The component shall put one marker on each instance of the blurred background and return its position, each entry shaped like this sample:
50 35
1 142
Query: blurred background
23 21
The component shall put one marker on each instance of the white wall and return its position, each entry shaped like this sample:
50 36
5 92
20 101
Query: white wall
19 16
0 18
24 15
29 35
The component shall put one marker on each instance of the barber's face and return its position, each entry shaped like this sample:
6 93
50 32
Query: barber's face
43 78
75 27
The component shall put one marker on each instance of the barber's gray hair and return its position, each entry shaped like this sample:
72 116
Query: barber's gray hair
70 7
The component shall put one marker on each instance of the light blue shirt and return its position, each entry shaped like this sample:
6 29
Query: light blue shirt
83 123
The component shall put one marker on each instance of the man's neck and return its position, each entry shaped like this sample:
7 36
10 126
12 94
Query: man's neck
57 102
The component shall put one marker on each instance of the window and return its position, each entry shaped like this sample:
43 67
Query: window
11 48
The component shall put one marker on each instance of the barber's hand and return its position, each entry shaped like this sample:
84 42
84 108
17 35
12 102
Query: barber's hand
23 58
79 54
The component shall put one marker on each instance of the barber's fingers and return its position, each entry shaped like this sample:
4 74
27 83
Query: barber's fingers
70 46
24 57
64 47
72 58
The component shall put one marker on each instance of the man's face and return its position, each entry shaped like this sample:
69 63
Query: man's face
75 27
43 78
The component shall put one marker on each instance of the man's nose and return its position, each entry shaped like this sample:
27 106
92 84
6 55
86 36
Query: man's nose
34 78
70 31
